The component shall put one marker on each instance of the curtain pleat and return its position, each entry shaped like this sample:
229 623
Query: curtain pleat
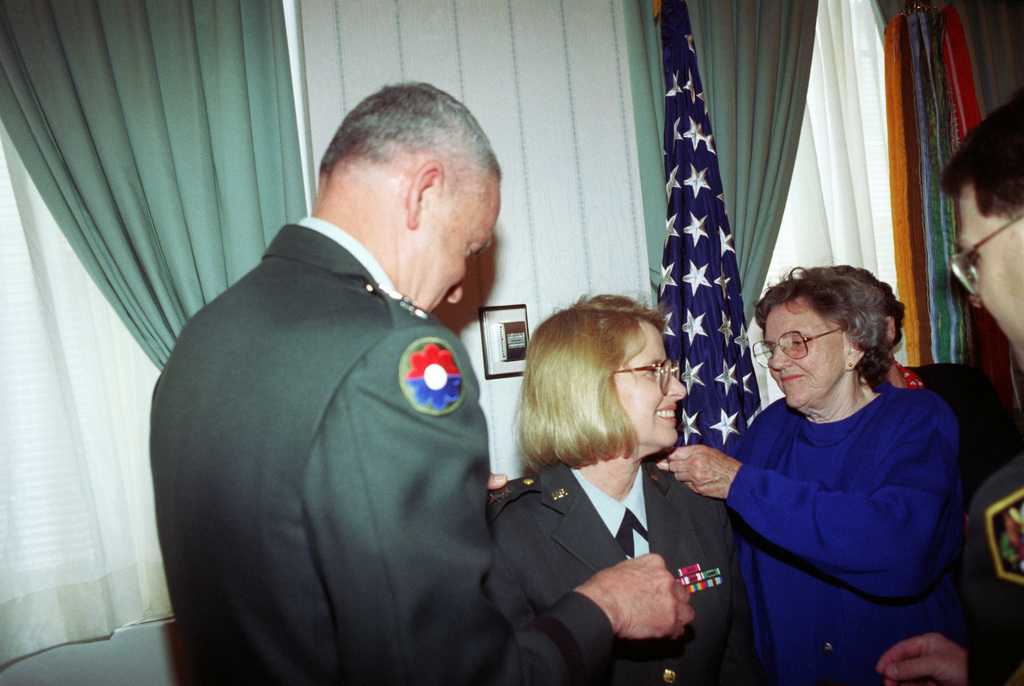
898 184
756 91
162 136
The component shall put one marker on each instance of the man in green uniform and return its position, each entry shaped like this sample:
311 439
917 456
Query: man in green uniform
320 458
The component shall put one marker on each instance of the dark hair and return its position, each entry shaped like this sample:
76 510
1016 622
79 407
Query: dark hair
893 307
410 116
991 159
836 295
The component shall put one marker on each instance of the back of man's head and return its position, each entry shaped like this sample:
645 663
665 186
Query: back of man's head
413 117
991 159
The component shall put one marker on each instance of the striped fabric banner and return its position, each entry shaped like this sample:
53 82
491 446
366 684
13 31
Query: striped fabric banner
924 131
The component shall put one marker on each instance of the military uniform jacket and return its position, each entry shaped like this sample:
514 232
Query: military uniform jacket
320 496
551 539
993 577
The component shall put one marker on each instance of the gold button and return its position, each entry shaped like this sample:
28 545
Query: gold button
669 676
528 482
369 288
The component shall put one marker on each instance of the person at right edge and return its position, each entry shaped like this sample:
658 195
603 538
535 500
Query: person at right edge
986 176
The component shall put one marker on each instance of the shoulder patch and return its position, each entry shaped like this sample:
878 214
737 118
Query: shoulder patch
430 378
1004 528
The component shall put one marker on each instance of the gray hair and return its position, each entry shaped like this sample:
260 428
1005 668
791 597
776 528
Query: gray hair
836 295
411 117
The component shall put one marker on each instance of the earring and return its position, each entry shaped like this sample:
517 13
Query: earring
849 365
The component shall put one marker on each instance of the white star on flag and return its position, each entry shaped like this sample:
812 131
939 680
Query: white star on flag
672 184
726 425
723 282
693 326
726 328
691 375
689 426
695 277
697 180
728 377
670 228
696 228
695 133
674 90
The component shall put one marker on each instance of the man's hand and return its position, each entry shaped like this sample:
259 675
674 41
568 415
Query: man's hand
641 598
705 470
926 660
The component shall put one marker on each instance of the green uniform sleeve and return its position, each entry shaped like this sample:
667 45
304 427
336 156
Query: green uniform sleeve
395 493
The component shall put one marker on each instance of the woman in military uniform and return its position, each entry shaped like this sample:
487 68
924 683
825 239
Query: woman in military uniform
599 399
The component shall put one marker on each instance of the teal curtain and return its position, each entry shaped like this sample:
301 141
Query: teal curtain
162 137
647 82
755 62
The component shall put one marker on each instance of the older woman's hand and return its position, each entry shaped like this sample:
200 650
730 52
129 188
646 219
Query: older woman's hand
705 470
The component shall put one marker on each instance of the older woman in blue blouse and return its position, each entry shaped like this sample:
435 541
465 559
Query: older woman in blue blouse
848 497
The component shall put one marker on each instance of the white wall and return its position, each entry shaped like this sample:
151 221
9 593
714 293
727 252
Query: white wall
548 81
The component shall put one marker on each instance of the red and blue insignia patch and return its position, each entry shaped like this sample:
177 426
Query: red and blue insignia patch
430 378
1004 526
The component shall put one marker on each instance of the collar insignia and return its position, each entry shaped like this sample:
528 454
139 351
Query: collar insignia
1004 528
405 301
430 378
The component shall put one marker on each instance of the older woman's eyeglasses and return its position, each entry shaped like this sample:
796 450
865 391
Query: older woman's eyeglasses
792 343
666 371
964 262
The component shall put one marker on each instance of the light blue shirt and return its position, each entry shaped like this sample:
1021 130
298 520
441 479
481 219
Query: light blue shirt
346 241
611 510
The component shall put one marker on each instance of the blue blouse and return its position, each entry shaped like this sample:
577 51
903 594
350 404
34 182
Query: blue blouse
849 533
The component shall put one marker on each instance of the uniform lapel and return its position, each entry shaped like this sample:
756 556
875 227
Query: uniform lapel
670 532
579 529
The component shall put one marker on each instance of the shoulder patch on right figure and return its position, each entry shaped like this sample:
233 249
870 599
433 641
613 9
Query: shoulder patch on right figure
1004 530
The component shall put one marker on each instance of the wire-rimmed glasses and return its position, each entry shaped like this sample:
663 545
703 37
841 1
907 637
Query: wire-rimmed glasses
963 262
666 370
792 343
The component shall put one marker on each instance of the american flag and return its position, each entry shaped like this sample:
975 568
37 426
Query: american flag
700 282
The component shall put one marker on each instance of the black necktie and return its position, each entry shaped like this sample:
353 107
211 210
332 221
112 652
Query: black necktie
625 534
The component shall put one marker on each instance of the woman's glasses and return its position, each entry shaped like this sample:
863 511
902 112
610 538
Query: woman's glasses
792 343
666 370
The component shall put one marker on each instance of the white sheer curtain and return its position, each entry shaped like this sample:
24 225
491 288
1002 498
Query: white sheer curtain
838 208
78 549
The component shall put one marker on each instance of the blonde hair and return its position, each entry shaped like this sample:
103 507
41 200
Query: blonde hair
569 409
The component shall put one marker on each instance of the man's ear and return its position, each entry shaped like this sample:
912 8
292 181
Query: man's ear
427 181
890 328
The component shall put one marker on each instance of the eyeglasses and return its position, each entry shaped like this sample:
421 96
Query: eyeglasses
792 343
963 262
666 370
